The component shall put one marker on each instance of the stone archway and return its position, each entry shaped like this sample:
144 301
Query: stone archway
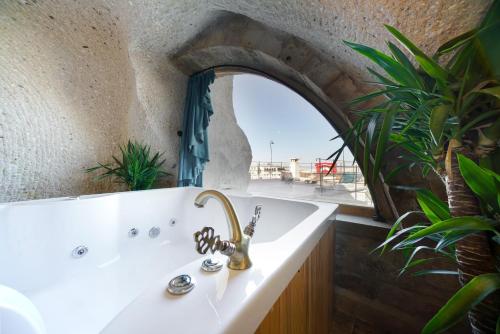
238 44
105 67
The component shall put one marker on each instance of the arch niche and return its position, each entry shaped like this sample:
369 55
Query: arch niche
237 44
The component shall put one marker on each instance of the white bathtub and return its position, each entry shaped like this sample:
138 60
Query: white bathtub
119 285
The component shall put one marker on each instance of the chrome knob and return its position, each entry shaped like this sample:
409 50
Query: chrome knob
211 265
180 285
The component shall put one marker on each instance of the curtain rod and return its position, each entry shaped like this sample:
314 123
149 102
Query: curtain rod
235 67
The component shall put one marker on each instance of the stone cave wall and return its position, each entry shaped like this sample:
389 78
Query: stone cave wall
66 90
77 78
230 152
73 86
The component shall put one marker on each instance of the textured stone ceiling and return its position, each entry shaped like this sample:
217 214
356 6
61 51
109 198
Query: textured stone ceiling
156 29
161 27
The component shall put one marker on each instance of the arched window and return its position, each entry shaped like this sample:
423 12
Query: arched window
290 143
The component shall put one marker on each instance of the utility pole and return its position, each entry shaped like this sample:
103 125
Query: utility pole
271 148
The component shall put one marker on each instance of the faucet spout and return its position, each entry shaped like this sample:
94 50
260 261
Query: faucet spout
237 247
231 217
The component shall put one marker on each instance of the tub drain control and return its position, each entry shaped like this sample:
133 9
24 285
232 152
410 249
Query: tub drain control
211 265
154 232
180 285
79 251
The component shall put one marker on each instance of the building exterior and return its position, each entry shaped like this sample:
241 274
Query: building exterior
266 171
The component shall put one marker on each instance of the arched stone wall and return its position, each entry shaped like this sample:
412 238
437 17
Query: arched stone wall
230 151
78 76
286 59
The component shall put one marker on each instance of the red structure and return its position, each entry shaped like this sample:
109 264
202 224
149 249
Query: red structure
324 167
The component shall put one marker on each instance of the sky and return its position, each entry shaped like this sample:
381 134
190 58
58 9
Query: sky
267 110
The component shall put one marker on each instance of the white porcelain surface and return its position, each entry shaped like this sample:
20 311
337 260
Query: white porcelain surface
18 314
119 286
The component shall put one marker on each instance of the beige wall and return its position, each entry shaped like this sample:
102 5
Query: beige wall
74 85
230 152
64 98
70 93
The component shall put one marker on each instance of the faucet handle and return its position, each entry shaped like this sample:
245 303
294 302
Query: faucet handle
205 240
258 209
250 228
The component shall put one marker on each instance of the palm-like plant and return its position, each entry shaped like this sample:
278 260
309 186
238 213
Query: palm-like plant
433 110
137 169
439 239
430 114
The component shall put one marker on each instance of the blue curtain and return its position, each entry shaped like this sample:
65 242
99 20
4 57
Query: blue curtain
193 153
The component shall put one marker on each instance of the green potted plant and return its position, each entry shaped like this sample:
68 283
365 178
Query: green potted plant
437 238
431 113
137 169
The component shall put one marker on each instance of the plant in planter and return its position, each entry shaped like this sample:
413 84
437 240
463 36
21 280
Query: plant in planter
439 240
430 114
136 168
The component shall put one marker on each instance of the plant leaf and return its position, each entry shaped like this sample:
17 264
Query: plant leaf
487 41
370 131
480 181
434 208
410 263
456 42
461 302
395 70
383 80
403 60
399 233
428 64
467 223
493 91
396 225
435 272
395 171
439 115
481 117
383 138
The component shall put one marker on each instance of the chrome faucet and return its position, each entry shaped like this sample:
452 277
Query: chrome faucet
237 247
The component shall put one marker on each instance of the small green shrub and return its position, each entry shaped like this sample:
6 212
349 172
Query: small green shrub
136 168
